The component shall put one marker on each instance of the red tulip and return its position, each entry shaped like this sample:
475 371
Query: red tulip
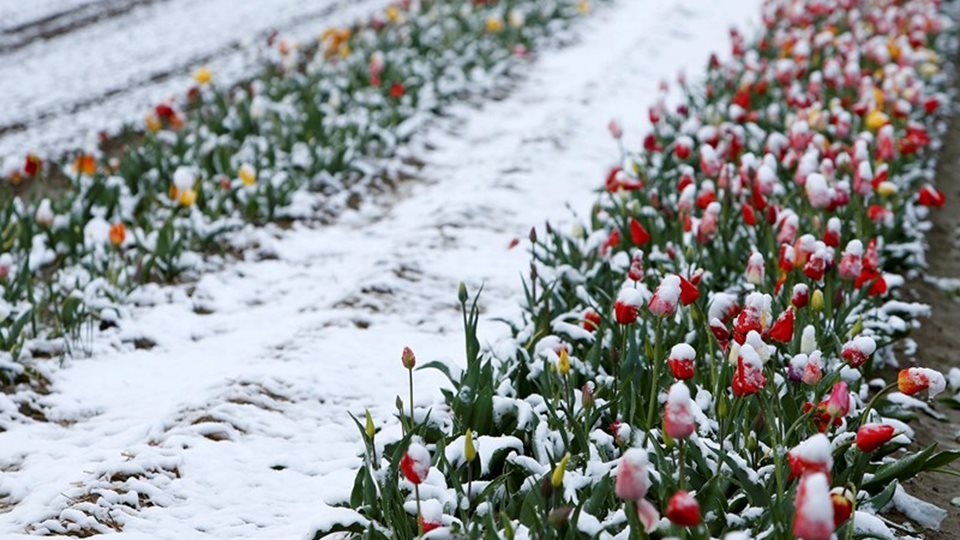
749 215
838 404
842 500
801 295
688 291
638 234
748 378
415 464
678 421
633 479
782 329
858 350
813 517
811 456
873 436
931 196
851 261
683 509
591 320
665 298
397 90
681 360
627 306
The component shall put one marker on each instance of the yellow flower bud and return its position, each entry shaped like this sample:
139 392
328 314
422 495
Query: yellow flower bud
857 327
188 197
816 300
886 188
203 75
583 6
469 451
247 174
494 25
557 478
563 366
371 431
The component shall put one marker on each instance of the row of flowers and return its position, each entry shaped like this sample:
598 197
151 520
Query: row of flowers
324 124
703 356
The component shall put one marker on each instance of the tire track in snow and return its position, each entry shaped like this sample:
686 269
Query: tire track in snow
327 318
60 92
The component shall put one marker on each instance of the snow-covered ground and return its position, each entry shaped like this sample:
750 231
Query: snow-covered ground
69 68
235 425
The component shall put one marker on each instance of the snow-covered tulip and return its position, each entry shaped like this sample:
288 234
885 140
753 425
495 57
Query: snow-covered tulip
183 178
681 360
873 436
415 464
805 368
431 515
818 192
811 456
666 297
930 196
801 296
842 500
683 509
748 377
851 263
916 379
857 351
782 329
831 236
813 515
633 478
678 421
45 215
755 268
627 306
635 272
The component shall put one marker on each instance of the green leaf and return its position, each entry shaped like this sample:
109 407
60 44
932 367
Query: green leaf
901 469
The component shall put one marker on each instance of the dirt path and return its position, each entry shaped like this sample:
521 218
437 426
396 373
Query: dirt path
938 338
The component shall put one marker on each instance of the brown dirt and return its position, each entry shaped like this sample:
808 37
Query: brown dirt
938 338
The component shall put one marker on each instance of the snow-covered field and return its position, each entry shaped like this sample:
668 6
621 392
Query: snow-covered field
235 425
70 68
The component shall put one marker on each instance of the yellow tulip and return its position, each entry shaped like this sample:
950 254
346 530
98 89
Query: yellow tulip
188 197
557 477
876 120
469 451
203 75
247 174
564 364
494 25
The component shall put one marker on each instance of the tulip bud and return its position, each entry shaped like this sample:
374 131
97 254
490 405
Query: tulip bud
816 301
546 488
683 509
533 235
557 477
559 516
587 398
462 292
842 500
408 359
563 365
469 451
371 431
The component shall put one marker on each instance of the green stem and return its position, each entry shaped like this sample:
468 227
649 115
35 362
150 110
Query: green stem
652 408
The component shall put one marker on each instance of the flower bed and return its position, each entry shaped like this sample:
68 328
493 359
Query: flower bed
703 357
322 124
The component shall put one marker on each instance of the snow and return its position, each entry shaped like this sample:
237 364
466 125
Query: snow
683 351
255 366
923 513
815 449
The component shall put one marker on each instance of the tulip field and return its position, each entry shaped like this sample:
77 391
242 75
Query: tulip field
482 269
